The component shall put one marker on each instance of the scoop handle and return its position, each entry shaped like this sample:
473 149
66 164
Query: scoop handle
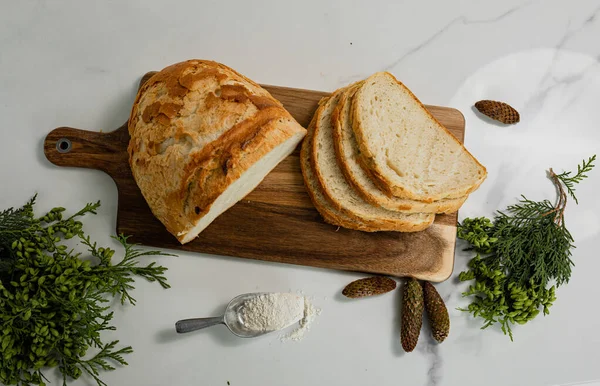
189 325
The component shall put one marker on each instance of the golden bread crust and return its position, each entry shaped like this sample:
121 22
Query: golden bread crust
195 128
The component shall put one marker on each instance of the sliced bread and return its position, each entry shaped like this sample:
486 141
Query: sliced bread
405 150
340 194
327 211
347 153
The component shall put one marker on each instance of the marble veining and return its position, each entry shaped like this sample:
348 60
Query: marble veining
431 348
570 33
456 21
435 371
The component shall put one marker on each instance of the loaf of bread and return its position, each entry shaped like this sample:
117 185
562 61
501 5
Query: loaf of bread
404 149
202 137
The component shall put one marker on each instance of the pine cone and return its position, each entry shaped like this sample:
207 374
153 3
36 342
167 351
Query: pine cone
412 314
499 111
439 320
369 286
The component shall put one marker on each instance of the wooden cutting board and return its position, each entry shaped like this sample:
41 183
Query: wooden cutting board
277 221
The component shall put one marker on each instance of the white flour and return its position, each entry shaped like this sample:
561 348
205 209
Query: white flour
310 313
275 311
270 312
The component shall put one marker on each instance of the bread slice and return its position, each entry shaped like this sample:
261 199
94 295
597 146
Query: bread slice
327 211
347 153
406 151
203 137
340 194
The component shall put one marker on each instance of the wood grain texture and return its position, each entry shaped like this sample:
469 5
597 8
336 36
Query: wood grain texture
277 221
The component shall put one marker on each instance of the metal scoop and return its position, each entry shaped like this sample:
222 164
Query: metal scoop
232 319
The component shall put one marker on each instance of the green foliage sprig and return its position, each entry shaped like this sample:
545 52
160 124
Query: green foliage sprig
53 303
519 254
569 182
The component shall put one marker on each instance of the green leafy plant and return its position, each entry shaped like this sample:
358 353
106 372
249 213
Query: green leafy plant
569 182
53 303
519 254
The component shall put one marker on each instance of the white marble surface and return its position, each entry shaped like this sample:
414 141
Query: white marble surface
76 63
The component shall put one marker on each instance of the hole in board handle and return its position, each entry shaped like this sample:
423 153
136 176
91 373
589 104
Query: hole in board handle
63 145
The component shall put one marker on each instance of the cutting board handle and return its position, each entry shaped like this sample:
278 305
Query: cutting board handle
66 146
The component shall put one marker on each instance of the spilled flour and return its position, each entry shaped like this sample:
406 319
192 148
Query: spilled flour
310 313
275 311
